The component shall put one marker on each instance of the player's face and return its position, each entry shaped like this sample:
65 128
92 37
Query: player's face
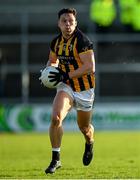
67 24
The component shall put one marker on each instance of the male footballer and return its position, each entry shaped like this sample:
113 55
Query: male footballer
72 52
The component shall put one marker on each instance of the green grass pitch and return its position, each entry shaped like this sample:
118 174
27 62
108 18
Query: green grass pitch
26 155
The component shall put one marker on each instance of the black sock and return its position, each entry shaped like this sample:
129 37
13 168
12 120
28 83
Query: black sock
55 155
89 146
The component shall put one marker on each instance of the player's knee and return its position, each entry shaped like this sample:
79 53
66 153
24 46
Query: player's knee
56 120
84 129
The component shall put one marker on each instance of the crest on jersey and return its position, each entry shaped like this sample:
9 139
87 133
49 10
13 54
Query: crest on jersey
70 47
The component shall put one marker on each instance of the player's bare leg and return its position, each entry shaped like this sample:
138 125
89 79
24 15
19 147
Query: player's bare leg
84 123
61 106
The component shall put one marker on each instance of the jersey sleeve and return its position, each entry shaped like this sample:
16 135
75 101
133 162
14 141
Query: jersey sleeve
52 54
52 45
83 44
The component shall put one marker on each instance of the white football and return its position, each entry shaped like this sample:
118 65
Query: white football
45 79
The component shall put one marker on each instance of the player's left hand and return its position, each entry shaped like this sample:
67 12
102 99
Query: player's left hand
59 76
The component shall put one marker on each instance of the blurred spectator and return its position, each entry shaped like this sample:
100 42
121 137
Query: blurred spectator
136 15
126 13
115 16
103 12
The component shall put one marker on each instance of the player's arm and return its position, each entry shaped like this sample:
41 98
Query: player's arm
85 50
88 64
53 61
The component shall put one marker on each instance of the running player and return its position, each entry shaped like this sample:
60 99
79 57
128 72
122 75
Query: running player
72 52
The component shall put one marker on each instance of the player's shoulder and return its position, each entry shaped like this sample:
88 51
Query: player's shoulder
55 38
83 42
53 42
81 36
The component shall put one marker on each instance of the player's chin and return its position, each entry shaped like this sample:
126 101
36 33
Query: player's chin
69 33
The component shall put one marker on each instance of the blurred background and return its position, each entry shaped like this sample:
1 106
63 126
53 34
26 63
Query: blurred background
26 29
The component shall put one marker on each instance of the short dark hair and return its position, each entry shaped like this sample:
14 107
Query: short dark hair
67 10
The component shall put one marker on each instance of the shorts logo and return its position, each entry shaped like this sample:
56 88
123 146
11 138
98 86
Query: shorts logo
83 106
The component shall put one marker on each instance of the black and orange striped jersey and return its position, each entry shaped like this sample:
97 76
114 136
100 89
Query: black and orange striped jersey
67 52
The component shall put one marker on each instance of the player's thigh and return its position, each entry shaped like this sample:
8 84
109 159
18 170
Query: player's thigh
84 118
62 105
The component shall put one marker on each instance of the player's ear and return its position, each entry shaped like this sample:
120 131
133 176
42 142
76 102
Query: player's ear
58 23
75 23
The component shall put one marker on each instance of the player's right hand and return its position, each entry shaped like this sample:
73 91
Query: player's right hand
59 76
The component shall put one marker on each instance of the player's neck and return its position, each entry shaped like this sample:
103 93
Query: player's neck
67 37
